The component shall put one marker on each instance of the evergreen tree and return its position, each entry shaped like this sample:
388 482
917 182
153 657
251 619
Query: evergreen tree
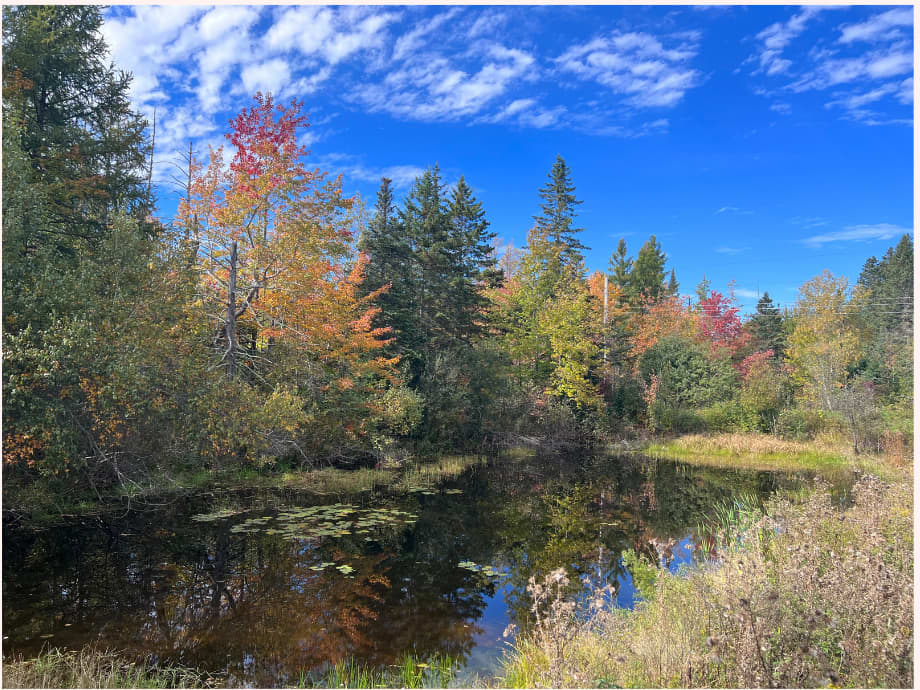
558 209
389 254
766 327
472 261
647 278
703 289
673 285
621 267
84 143
885 304
889 287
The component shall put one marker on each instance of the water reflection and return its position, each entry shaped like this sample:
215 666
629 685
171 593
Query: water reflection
264 605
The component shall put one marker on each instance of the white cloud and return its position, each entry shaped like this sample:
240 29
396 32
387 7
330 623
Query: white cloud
528 113
733 209
412 40
777 36
350 168
861 74
781 108
488 22
878 27
731 250
858 233
638 66
271 75
430 87
747 294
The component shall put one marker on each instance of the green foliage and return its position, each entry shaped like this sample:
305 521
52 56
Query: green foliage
621 267
400 410
765 390
558 210
688 376
647 277
766 328
728 415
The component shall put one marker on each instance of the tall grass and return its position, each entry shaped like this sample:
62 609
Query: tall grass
94 668
435 671
825 598
757 451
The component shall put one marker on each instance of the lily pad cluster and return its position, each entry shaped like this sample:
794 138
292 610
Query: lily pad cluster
486 570
217 515
336 520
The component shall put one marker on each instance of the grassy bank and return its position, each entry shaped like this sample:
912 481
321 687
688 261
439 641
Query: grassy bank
766 452
811 596
93 668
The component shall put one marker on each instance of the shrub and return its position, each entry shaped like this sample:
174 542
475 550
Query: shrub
728 416
689 376
799 424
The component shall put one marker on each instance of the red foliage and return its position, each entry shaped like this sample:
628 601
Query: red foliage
720 324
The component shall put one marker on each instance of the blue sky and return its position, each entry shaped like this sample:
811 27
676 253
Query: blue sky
759 144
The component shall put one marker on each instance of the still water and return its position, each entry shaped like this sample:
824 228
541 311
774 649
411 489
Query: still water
261 586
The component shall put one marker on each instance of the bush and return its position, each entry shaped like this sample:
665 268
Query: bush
689 377
798 424
729 416
677 419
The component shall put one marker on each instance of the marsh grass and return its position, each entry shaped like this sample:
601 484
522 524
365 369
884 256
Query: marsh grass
826 598
94 668
827 456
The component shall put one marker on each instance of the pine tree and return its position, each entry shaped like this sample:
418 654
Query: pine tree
85 144
889 285
766 327
472 261
558 212
621 267
673 285
389 258
703 289
647 278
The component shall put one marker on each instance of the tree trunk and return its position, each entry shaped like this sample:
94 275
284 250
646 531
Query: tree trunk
231 316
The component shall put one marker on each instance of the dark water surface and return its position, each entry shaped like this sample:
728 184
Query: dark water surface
261 586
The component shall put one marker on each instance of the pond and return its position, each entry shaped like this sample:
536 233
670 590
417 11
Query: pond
260 586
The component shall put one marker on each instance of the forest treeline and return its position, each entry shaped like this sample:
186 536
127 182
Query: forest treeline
273 320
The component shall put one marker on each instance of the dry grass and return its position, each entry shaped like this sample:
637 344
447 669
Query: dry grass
822 597
765 452
92 668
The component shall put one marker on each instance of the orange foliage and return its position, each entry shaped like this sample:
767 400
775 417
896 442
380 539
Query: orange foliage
656 320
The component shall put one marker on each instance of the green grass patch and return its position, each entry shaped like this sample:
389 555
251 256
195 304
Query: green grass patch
764 452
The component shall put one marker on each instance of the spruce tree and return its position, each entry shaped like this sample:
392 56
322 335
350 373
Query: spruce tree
86 146
558 210
703 290
766 327
673 285
621 267
388 251
889 285
472 260
647 278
